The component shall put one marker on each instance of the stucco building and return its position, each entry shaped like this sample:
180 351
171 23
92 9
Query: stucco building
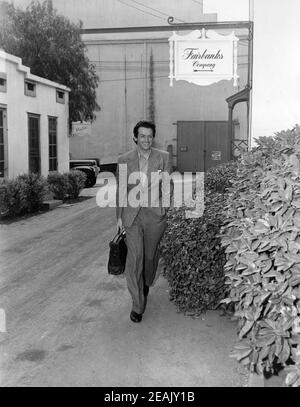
193 122
133 70
34 116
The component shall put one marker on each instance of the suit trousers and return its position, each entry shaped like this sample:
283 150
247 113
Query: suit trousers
142 239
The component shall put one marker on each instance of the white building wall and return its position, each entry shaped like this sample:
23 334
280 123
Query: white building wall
44 104
123 94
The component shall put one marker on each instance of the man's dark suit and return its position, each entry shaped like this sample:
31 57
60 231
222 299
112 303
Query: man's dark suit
144 226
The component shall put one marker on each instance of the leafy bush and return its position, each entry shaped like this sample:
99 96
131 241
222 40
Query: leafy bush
192 251
194 259
13 198
220 178
59 185
67 185
76 182
24 194
262 241
36 189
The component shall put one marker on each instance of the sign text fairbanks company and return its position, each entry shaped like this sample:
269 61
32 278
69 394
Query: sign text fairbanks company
203 58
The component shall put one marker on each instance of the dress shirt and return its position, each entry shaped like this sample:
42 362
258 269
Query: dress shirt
143 165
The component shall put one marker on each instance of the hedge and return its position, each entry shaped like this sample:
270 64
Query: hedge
76 181
24 194
58 185
192 252
262 243
67 185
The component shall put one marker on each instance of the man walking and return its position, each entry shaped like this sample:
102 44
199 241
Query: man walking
143 219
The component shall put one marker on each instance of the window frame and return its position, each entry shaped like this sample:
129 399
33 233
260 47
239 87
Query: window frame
3 88
28 92
59 99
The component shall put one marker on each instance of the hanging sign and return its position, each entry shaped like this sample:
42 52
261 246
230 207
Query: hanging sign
81 129
203 57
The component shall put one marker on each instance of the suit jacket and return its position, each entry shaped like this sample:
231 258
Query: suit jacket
158 162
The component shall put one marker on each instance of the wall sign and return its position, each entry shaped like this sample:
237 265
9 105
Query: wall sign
203 57
216 155
81 129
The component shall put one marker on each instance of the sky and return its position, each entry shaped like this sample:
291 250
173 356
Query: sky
228 10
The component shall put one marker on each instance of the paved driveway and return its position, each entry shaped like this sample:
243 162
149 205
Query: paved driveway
68 320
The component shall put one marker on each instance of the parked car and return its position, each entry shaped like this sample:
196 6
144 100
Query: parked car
89 167
96 159
111 167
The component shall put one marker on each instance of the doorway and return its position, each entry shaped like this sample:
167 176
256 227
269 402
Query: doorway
34 143
3 144
201 145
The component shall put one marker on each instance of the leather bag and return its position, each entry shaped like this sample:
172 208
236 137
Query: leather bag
117 254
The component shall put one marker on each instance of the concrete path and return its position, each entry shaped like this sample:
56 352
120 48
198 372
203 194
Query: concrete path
68 320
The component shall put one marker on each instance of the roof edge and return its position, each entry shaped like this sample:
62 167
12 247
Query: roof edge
28 75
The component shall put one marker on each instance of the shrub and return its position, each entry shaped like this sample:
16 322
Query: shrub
262 241
13 198
192 251
220 178
24 194
3 194
76 182
59 185
194 259
36 190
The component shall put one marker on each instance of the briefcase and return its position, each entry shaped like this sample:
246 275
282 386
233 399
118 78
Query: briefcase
117 254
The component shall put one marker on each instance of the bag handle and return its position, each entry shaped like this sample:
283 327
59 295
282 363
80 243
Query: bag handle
119 234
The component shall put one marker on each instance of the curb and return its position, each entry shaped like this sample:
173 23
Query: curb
51 204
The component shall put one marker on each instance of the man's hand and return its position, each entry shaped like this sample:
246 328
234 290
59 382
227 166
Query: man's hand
119 224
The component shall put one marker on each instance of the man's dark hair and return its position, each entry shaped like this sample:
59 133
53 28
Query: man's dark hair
144 123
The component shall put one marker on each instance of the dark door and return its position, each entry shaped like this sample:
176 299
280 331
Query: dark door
2 142
190 146
52 129
201 145
34 143
216 143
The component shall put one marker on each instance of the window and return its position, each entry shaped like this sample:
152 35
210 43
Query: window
2 161
60 96
2 82
52 130
30 88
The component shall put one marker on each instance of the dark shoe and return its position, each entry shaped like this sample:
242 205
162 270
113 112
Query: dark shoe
135 317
